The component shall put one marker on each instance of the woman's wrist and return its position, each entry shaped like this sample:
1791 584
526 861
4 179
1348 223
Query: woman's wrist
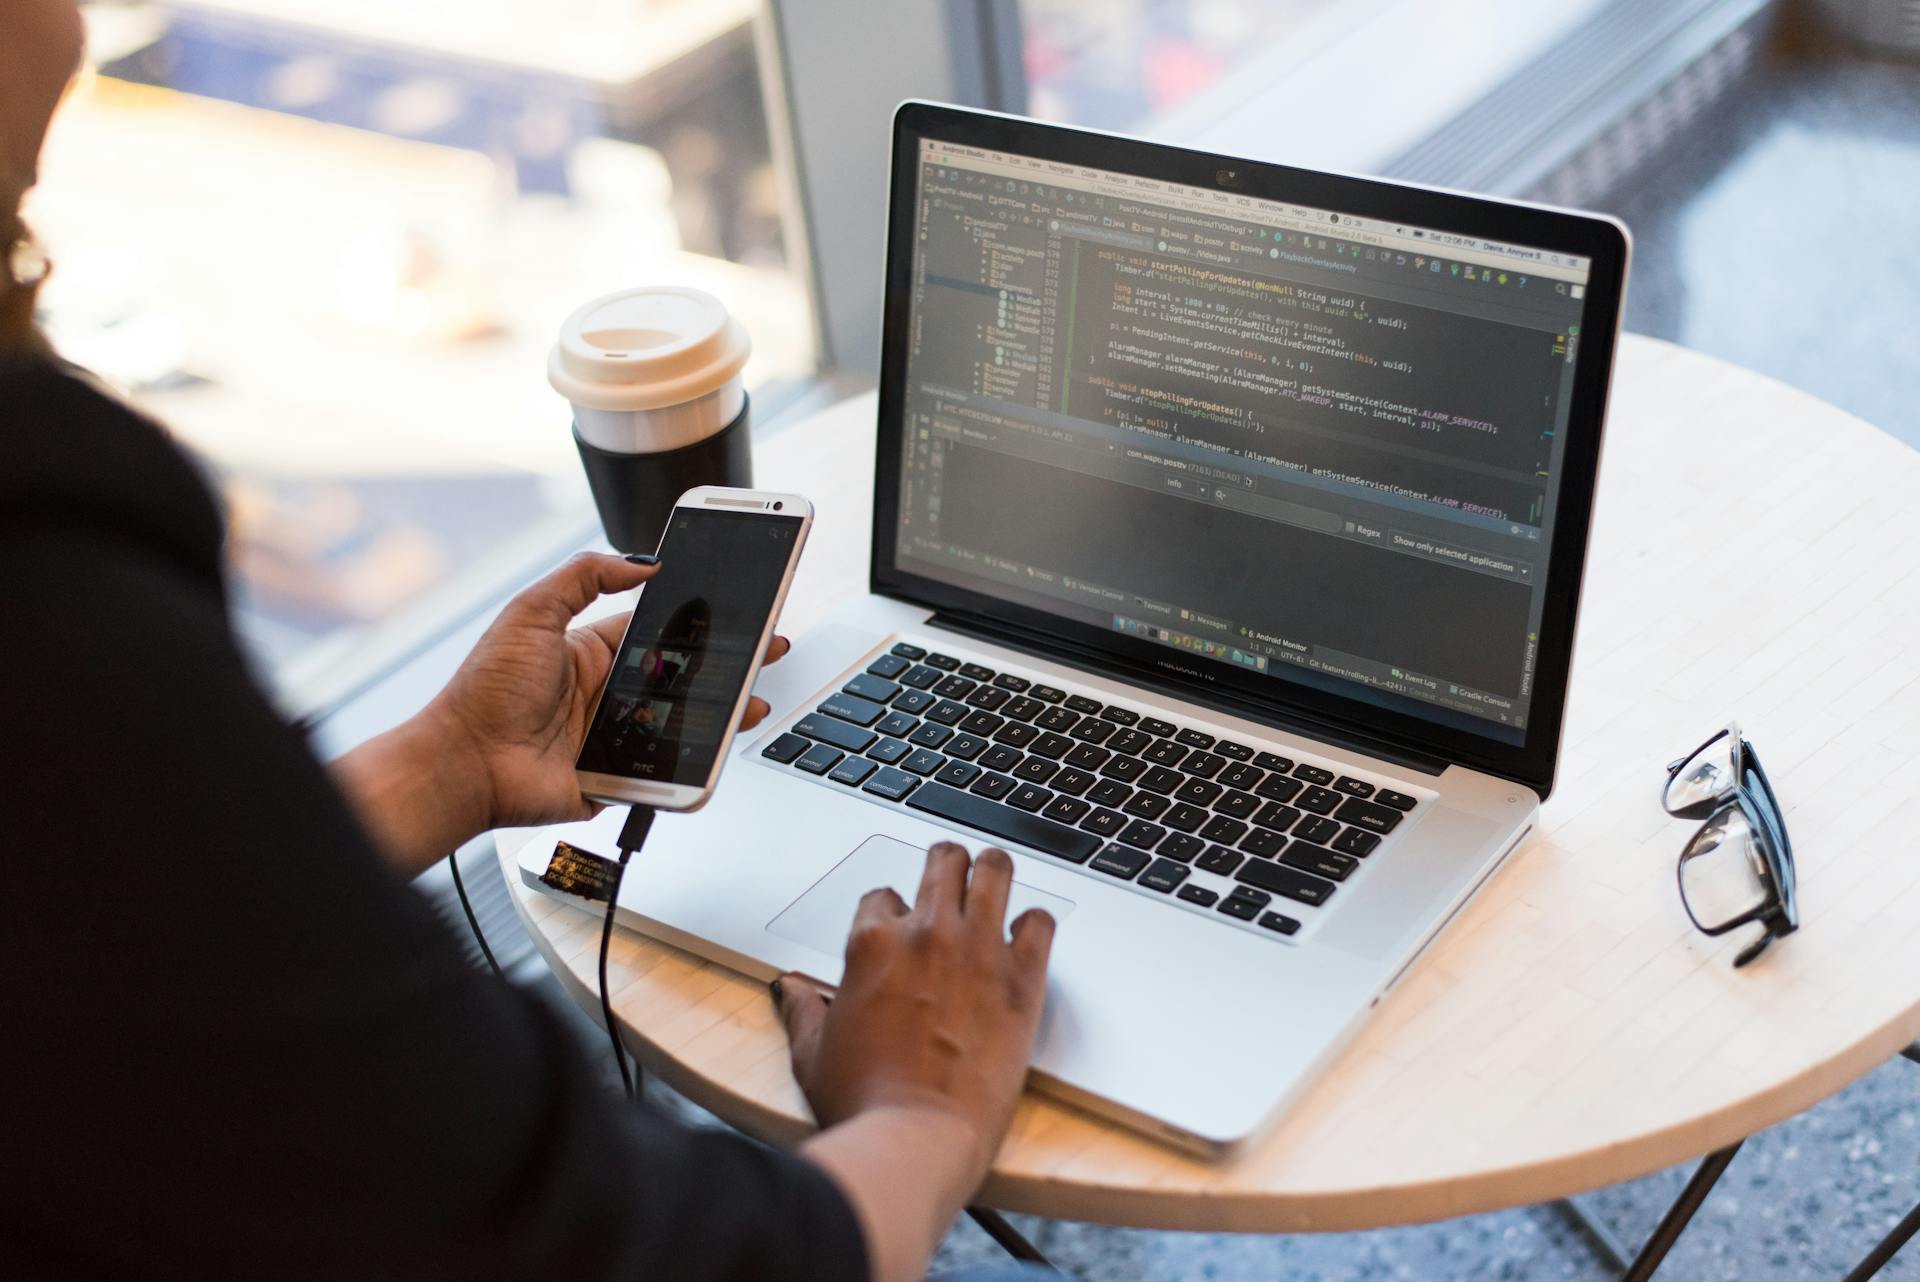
421 789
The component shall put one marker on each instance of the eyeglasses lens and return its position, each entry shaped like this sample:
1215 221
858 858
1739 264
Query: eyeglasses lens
1723 874
1706 775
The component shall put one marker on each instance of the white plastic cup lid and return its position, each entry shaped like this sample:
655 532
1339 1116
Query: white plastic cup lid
648 348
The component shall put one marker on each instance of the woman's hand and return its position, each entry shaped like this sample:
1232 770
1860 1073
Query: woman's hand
928 1038
496 747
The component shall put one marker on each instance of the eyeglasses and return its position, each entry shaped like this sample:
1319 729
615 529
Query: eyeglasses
1738 868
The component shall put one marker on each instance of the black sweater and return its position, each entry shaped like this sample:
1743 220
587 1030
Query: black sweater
233 1042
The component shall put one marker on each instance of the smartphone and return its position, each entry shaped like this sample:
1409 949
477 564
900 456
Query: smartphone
684 671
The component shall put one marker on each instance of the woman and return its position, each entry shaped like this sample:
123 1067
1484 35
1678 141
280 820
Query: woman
238 1044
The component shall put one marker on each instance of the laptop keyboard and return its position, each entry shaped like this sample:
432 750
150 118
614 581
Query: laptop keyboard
1127 795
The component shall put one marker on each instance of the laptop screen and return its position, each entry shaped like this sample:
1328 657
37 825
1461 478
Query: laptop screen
1292 441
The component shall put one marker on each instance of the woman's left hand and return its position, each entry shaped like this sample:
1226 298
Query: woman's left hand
518 708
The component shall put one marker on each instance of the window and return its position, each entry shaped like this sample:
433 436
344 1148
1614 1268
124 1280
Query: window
328 242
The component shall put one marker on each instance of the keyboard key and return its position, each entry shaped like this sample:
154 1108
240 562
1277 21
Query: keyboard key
785 748
919 677
1203 765
1166 752
1083 705
1120 716
1000 757
1109 792
1015 734
1244 906
1039 770
954 687
1010 825
853 771
1125 769
1198 792
845 737
1219 859
1369 815
988 697
1146 805
1353 787
981 723
1088 757
1223 830
1118 861
1195 739
1051 745
1355 841
1182 847
923 763
947 712
1184 818
1164 875
1278 787
1007 681
1282 880
1198 895
1143 834
1047 694
1272 815
1319 801
891 783
1104 823
1316 828
888 751
1240 775
977 672
1233 751
1157 728
958 774
896 725
1057 719
868 686
931 734
1072 782
1263 842
820 758
1160 780
944 662
1024 709
1313 774
907 650
1066 810
1129 741
1093 730
1272 761
965 746
914 702
1029 796
1279 923
1237 805
1317 859
1398 800
889 666
993 786
851 707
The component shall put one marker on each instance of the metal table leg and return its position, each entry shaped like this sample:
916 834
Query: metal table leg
1007 1236
1889 1245
1674 1223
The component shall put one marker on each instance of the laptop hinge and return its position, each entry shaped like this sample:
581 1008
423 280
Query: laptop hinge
1046 646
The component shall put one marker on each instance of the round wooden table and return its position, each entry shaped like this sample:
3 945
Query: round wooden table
1753 557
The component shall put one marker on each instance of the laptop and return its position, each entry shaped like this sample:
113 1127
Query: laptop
1229 522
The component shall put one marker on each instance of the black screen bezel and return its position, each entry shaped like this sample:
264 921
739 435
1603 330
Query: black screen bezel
1602 240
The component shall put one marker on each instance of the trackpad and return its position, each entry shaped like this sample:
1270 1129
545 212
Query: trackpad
821 918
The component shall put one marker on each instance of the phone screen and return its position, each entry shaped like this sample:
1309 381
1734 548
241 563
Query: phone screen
670 697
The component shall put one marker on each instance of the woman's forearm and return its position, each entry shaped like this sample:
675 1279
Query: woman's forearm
417 791
905 1171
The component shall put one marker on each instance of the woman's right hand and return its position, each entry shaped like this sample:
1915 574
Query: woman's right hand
937 1010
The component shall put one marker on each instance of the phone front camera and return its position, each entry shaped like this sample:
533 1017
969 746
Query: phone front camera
778 506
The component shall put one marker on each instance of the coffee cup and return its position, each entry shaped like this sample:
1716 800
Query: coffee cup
653 376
